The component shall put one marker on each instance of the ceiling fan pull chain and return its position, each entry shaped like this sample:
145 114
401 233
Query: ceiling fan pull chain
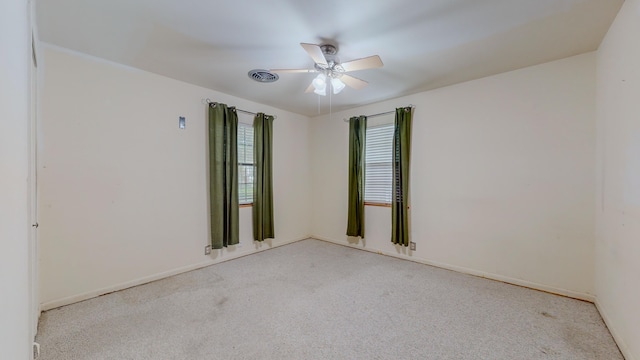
330 117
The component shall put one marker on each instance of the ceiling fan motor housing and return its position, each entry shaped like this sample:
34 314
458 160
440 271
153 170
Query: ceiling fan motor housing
333 68
328 49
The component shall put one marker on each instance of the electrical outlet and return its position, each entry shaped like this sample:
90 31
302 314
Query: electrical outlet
412 246
207 250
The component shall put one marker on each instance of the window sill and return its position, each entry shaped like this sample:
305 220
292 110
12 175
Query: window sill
380 204
377 204
250 205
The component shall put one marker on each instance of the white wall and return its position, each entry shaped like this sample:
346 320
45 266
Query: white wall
123 191
501 179
618 187
15 284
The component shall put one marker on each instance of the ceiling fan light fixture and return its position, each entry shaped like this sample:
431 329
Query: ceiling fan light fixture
337 85
321 91
320 82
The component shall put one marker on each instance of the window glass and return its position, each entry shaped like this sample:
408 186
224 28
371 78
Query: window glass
378 164
245 163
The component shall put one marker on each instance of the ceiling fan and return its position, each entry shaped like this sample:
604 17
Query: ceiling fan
331 71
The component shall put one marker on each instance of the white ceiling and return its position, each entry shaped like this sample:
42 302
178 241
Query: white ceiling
424 44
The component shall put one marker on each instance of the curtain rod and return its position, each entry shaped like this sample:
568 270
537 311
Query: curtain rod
382 113
240 110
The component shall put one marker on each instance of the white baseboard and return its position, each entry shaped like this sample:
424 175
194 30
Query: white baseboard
624 349
147 279
505 279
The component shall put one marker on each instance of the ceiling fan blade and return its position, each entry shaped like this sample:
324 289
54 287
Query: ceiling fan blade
354 82
315 52
362 64
282 71
310 89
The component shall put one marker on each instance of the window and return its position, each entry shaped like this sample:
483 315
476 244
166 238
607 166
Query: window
245 163
378 164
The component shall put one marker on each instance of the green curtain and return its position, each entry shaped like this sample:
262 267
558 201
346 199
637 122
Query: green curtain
223 175
401 163
357 139
263 177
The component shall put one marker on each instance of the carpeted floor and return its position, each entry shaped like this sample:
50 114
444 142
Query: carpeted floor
316 300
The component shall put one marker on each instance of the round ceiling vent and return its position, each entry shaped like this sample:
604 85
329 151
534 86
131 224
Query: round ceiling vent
263 76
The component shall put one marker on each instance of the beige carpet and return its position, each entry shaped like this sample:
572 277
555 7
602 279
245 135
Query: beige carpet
315 300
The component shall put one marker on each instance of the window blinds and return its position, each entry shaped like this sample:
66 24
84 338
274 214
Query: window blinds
378 164
245 163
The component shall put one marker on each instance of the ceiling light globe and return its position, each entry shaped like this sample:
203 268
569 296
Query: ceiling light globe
337 85
320 82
